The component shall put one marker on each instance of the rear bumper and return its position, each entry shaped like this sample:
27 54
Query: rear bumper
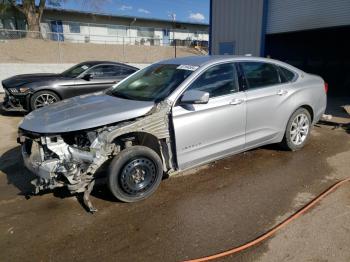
322 105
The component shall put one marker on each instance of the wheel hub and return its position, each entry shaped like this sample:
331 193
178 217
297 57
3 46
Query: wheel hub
137 176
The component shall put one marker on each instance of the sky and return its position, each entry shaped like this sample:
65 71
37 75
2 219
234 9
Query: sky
185 10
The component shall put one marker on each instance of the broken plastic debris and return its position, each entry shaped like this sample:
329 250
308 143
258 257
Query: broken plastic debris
326 117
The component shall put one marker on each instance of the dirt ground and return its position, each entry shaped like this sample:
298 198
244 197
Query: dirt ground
191 215
45 51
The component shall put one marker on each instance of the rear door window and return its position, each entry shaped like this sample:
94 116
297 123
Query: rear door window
127 71
259 74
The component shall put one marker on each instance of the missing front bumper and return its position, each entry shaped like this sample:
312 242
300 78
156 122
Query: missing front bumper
58 164
14 104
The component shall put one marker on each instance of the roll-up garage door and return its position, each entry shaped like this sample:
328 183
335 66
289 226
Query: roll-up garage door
297 15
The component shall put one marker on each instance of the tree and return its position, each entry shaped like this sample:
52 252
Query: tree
31 11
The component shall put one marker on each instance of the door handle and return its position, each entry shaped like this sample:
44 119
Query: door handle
282 92
236 101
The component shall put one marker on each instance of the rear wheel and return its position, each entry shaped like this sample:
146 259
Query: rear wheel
43 98
298 130
135 174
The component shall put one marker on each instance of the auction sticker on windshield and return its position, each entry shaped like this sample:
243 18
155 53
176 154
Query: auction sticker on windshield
187 67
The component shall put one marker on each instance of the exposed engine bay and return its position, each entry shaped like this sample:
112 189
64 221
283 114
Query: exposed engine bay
71 159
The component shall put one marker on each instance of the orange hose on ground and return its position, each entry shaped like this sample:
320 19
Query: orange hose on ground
274 229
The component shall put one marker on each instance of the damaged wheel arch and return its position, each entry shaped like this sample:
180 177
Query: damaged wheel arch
72 159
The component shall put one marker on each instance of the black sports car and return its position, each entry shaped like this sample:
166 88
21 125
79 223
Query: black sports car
31 91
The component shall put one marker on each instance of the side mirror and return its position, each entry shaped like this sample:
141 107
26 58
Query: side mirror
87 77
195 97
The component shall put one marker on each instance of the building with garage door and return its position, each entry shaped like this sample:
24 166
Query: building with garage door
313 35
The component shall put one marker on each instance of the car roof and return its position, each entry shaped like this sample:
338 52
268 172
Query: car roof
209 59
93 63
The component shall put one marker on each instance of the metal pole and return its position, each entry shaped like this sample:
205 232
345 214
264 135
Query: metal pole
59 48
124 49
174 25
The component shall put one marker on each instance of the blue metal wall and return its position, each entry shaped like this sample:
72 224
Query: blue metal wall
239 22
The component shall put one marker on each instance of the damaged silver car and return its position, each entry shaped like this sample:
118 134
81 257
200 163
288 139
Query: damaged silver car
168 117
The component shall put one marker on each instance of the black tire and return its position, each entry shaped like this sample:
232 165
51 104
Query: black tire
287 141
136 161
34 100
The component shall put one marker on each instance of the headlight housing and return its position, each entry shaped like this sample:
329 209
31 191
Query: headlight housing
13 90
24 89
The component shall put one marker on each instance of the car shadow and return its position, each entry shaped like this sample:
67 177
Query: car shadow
272 147
347 128
102 192
12 166
334 125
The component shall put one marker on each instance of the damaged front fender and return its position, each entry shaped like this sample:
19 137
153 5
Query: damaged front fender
72 159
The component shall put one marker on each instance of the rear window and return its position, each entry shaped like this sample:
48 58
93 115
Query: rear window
260 74
127 71
286 75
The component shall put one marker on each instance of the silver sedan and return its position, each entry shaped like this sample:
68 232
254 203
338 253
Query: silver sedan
171 116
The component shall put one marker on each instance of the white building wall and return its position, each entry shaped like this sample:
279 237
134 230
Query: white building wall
101 33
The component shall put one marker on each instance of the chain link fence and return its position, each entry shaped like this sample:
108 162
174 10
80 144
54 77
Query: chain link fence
18 46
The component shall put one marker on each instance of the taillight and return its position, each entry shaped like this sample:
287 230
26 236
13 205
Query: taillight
325 87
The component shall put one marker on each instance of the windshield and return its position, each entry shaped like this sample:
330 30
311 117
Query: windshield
152 83
76 70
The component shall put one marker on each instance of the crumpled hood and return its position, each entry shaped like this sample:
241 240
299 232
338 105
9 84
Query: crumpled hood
83 112
19 80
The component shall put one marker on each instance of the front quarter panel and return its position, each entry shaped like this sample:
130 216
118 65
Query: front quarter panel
61 87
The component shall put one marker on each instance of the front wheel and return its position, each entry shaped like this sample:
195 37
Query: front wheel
298 130
43 98
135 174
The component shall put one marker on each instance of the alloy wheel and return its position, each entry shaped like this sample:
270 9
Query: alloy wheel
299 129
44 100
